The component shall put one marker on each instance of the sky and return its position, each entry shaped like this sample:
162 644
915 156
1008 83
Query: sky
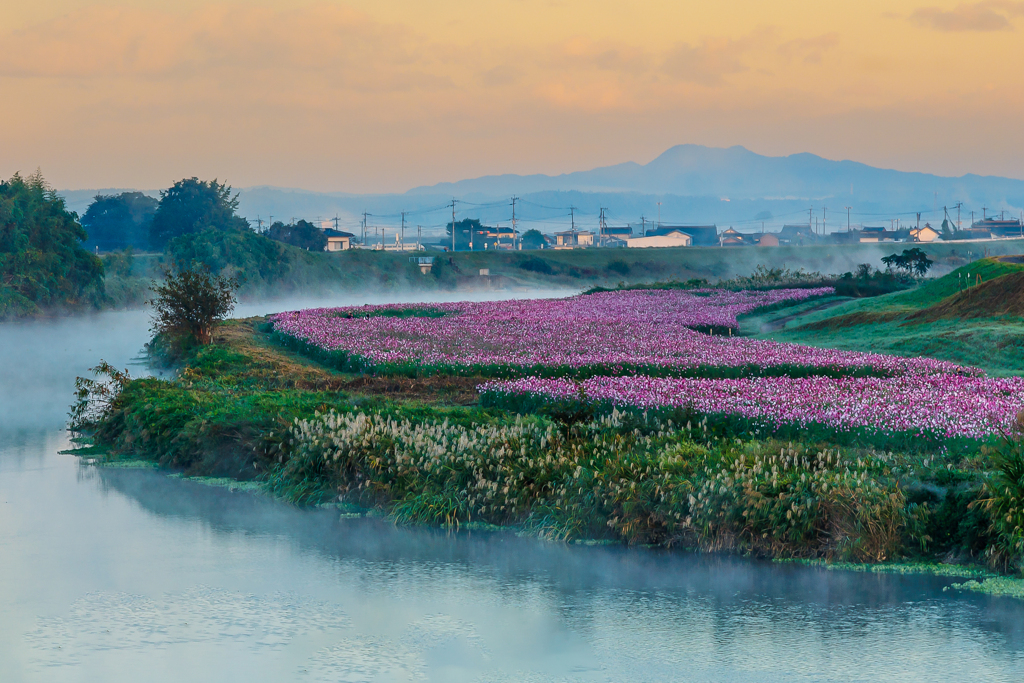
381 96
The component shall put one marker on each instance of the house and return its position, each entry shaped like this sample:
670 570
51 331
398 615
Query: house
338 240
615 236
873 234
672 239
572 239
924 234
1000 228
702 235
734 238
797 234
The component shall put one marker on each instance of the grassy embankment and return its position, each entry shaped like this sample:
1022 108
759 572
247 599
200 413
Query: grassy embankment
974 316
423 450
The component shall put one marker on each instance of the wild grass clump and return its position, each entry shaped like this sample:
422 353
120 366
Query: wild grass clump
618 476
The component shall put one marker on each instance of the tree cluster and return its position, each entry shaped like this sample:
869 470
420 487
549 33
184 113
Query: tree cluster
42 261
119 221
303 235
192 206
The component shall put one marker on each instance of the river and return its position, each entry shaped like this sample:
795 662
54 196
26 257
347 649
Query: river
131 575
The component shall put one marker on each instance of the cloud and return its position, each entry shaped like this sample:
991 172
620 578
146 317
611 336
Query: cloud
809 50
991 15
340 47
705 64
710 61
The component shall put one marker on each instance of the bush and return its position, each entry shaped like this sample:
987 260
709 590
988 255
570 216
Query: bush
1005 501
189 303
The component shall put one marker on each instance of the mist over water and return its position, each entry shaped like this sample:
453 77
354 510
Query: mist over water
131 575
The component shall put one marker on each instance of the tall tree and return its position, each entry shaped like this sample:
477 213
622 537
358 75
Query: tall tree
194 205
119 221
42 262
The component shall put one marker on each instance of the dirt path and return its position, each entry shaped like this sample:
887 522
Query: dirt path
779 323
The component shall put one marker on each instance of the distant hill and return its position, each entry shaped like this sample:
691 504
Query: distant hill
695 184
737 173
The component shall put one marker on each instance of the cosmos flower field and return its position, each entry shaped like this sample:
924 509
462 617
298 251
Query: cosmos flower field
662 349
652 332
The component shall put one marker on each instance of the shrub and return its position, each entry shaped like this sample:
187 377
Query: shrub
1005 501
189 303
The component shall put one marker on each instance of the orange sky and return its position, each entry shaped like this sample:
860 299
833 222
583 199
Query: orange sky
381 96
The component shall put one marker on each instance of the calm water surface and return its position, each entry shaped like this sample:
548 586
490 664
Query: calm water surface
129 575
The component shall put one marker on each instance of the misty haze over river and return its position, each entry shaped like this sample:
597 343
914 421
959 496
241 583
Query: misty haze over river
114 575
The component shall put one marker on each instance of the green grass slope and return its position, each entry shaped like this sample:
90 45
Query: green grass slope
897 323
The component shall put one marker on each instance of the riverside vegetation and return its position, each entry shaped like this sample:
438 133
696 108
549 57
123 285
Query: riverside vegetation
416 442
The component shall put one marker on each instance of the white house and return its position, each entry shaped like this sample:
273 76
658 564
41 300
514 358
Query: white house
672 239
338 240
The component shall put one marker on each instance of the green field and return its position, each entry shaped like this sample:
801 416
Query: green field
885 324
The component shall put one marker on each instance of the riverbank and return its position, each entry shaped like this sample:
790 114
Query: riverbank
425 451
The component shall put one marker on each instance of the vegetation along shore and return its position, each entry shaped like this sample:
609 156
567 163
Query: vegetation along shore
660 416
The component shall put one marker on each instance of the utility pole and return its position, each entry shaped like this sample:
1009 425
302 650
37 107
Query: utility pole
572 218
336 222
810 212
847 219
364 228
984 211
659 214
515 234
643 224
823 210
403 231
918 220
958 205
419 233
453 224
602 224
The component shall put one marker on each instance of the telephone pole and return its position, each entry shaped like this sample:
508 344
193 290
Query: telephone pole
364 228
823 210
572 218
419 233
659 214
453 224
847 219
515 234
403 231
810 213
958 205
643 224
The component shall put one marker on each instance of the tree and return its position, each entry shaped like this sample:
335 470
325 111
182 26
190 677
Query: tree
947 233
194 205
470 230
190 302
533 239
910 262
303 235
42 262
119 221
